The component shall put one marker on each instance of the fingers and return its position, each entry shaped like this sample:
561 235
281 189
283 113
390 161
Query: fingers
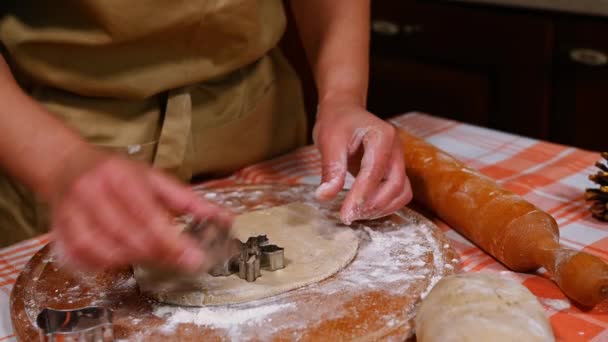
165 243
333 168
121 212
78 245
183 200
377 152
397 203
393 193
114 220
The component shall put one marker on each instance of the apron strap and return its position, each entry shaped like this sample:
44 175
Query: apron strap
175 135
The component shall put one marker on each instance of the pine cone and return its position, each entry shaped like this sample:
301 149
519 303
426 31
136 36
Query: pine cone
599 197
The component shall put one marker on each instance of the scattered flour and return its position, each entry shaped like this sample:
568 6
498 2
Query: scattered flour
218 317
378 265
393 257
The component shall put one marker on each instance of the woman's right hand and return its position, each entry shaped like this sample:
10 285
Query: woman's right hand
107 211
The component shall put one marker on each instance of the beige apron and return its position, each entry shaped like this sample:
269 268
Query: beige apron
192 87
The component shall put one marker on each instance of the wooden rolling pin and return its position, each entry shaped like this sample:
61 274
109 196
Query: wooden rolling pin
514 231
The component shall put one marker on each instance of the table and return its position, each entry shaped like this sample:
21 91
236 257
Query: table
551 176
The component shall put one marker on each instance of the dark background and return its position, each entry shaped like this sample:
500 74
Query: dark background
536 73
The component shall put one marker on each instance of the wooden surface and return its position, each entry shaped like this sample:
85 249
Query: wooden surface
356 311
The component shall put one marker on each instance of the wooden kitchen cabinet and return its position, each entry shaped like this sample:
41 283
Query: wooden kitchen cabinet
508 69
398 85
472 64
580 115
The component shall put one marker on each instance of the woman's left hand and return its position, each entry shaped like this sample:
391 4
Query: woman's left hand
351 138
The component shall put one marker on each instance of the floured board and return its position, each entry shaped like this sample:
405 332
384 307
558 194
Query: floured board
374 298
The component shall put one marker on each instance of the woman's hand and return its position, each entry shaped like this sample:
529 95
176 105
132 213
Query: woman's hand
351 138
335 35
108 211
105 210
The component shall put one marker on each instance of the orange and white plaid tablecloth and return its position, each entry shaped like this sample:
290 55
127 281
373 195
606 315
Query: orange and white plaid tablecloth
551 176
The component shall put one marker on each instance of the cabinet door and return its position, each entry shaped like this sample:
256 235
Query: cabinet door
397 86
477 64
581 84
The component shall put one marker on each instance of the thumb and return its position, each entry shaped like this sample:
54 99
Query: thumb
334 154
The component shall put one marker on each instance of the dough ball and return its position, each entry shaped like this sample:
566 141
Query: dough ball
481 307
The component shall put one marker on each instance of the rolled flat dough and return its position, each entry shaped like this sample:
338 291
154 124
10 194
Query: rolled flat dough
481 307
315 249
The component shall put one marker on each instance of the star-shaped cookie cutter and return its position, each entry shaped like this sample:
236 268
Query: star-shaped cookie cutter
253 256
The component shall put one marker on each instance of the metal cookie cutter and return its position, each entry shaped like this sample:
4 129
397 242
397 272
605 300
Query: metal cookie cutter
212 238
255 254
89 324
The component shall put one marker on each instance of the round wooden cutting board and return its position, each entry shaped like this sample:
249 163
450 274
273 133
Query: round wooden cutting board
375 297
